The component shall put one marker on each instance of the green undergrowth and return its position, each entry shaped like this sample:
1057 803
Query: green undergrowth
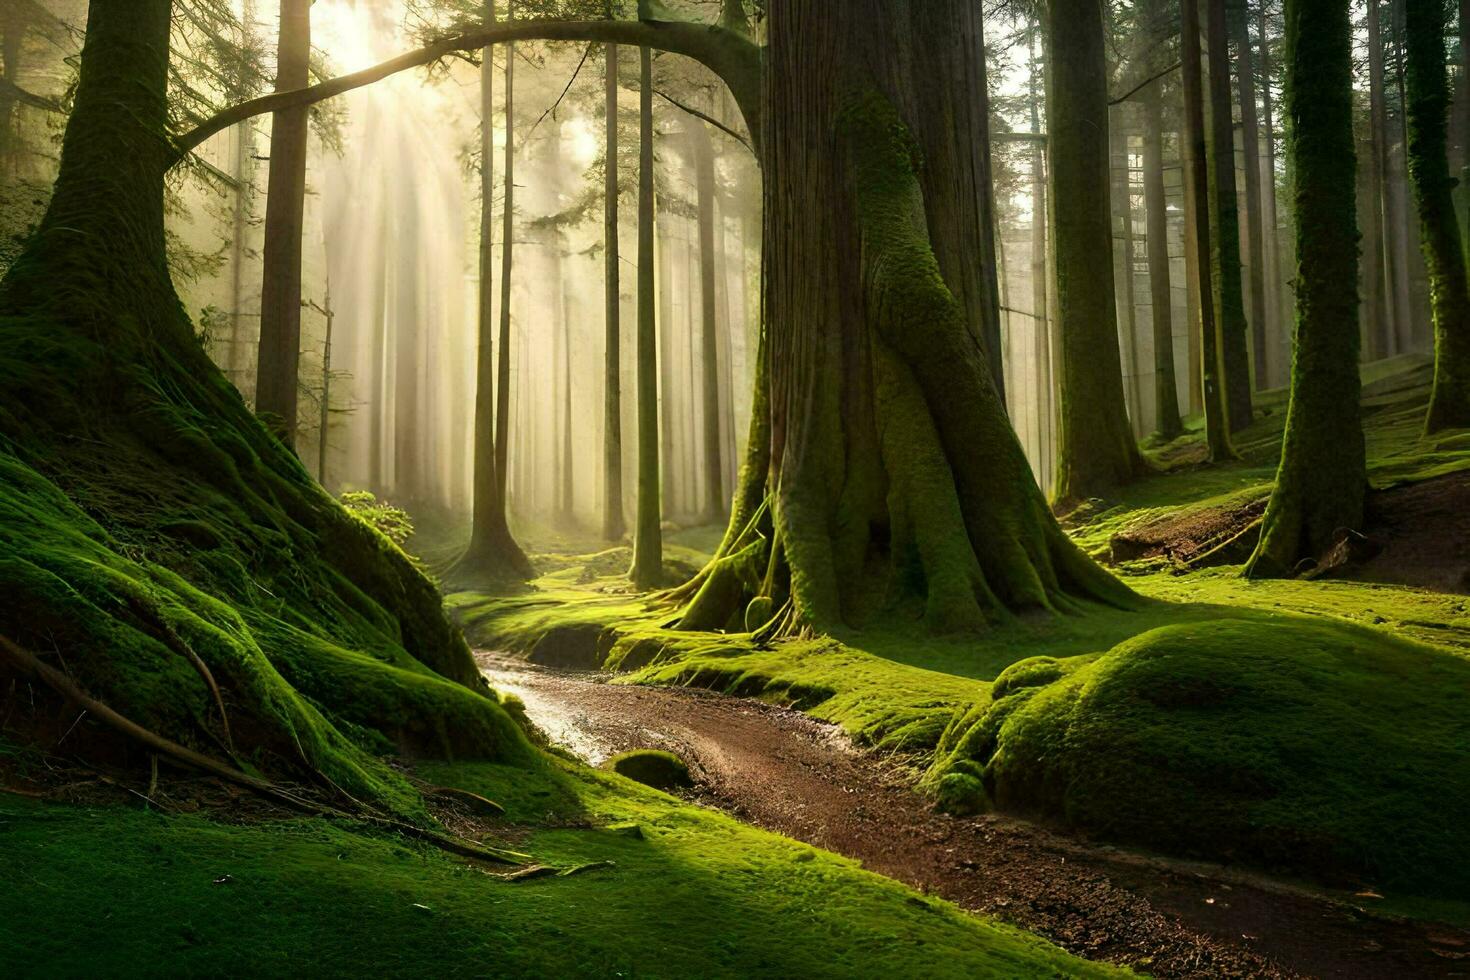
660 889
147 519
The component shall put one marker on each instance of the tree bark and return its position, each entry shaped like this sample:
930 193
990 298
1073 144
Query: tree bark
1040 308
1166 391
1096 450
1385 261
1322 479
1439 226
1199 228
1275 291
1254 244
507 264
1228 296
712 507
612 391
279 353
647 570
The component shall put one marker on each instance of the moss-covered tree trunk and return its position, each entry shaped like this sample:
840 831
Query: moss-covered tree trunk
1322 478
648 547
1166 391
883 475
1228 296
612 371
492 550
1197 229
1439 228
1096 450
279 354
155 534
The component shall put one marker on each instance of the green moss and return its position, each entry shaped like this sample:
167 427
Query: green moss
1316 748
651 767
691 893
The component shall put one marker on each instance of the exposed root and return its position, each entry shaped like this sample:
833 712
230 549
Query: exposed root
31 665
174 642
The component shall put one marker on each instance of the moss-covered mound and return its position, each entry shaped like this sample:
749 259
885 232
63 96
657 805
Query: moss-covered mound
157 542
1321 749
651 767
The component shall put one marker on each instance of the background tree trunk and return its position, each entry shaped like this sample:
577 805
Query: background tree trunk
1166 392
1251 152
507 263
647 570
1280 342
1439 226
612 392
1198 222
1040 280
1322 478
712 507
280 297
1096 450
1228 297
1384 271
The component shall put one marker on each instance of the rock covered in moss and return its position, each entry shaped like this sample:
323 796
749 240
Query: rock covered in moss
652 767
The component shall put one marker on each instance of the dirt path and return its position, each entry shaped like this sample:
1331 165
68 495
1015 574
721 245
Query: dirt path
783 771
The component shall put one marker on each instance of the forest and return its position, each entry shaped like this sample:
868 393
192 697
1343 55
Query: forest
735 488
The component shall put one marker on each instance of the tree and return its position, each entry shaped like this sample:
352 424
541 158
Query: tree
1198 224
1096 450
1385 258
1166 392
612 392
492 548
1322 478
713 506
279 354
1228 297
1439 227
647 570
882 472
1250 150
507 261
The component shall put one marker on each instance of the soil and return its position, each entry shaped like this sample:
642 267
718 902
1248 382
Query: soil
780 770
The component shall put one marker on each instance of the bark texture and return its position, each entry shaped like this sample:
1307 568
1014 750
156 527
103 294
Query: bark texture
1322 478
612 386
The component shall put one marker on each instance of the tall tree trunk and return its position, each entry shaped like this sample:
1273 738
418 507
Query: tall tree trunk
1280 342
876 486
1439 227
1228 296
612 381
492 548
647 570
1040 311
1385 263
712 507
1166 392
1198 228
507 264
280 297
1096 449
1250 149
1322 478
1122 175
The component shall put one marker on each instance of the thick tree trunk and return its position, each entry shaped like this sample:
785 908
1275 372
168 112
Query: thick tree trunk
280 296
1323 477
1228 296
871 487
647 570
612 379
712 507
1096 450
1166 391
1199 222
492 549
1439 227
1254 244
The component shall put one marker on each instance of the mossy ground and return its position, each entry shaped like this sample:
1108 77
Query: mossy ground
689 892
895 687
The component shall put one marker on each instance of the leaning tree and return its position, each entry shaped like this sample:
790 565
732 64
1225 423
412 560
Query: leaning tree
882 471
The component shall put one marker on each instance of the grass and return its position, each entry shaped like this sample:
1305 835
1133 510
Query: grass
892 687
688 892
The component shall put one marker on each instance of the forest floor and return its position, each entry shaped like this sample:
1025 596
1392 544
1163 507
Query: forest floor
783 771
897 694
